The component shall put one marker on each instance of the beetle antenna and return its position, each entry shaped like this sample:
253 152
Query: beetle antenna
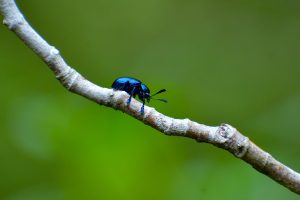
160 91
163 100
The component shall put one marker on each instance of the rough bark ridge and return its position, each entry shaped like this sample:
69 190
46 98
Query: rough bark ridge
223 136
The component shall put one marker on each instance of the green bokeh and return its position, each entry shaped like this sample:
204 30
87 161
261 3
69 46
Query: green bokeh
221 61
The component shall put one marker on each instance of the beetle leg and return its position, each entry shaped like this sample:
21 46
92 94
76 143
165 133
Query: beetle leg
132 92
142 108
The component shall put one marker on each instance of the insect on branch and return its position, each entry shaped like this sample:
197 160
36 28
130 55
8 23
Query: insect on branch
224 136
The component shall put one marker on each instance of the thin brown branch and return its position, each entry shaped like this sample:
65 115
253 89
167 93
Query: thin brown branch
223 136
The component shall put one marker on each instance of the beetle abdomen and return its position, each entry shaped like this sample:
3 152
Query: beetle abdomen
126 84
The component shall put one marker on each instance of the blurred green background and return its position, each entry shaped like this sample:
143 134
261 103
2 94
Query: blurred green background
221 61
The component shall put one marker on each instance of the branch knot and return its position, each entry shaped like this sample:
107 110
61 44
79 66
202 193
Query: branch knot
224 133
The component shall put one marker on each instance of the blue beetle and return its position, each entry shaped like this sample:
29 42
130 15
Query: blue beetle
135 87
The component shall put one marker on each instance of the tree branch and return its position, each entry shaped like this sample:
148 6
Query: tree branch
224 136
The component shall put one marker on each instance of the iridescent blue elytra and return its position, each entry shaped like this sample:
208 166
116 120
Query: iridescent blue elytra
135 87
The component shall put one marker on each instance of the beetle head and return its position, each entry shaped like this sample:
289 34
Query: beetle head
144 93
